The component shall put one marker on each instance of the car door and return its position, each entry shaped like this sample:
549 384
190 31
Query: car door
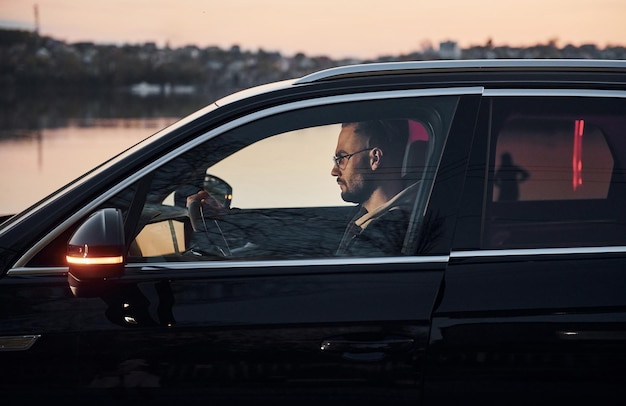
534 305
251 304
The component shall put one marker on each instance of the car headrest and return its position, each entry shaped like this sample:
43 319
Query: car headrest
416 153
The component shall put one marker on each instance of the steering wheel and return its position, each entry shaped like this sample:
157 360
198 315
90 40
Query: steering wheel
208 225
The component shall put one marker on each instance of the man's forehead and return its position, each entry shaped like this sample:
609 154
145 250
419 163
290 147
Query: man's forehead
348 138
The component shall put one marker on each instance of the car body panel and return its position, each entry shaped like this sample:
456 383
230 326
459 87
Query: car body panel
215 330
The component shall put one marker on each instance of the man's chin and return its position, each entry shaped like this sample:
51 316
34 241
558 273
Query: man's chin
349 198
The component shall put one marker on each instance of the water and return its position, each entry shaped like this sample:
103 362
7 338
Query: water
35 163
48 137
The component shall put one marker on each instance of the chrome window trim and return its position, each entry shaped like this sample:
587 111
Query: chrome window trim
41 271
241 264
537 252
555 93
314 102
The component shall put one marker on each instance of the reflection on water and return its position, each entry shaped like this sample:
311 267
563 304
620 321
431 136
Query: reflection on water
35 163
34 110
48 137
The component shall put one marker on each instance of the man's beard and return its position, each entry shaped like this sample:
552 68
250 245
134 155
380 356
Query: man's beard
359 193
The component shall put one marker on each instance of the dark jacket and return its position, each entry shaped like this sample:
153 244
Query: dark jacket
381 232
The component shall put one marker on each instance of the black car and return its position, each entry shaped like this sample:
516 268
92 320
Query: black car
510 285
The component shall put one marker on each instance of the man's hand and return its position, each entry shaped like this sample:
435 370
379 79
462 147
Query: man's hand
210 207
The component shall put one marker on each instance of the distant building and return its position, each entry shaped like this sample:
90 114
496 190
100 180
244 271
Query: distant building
449 50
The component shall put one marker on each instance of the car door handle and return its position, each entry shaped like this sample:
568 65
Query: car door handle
357 345
18 343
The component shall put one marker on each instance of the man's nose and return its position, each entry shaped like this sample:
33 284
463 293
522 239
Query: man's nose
335 171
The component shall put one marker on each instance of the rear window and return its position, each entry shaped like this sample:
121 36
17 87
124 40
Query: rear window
556 174
551 159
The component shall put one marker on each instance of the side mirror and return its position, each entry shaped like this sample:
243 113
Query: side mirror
96 253
219 189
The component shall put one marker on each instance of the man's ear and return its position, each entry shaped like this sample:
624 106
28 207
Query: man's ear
376 156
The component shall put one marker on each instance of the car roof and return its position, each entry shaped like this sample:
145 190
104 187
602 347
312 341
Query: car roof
468 66
370 70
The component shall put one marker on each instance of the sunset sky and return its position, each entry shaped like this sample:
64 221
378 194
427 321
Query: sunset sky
337 28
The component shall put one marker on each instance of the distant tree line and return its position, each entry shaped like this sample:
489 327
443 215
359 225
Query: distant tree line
33 61
40 63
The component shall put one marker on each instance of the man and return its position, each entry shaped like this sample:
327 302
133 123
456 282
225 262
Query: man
368 167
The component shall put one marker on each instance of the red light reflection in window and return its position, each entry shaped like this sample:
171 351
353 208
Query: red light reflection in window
577 154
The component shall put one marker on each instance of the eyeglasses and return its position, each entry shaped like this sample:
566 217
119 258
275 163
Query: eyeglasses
341 161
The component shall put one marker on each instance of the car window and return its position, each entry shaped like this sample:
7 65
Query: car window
273 192
551 159
556 173
297 163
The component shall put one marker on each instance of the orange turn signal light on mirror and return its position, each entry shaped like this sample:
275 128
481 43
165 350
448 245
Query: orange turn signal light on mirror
97 255
94 261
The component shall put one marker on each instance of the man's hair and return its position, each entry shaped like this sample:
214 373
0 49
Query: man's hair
390 136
